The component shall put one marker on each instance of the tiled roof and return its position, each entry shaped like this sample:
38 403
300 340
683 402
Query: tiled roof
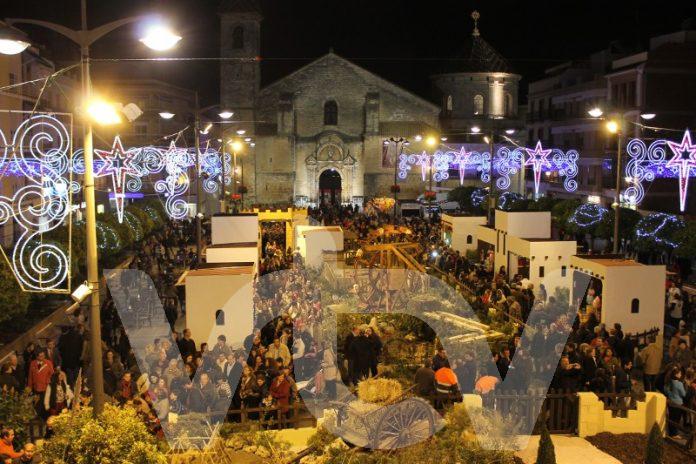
477 55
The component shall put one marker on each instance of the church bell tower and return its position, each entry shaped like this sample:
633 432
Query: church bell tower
240 48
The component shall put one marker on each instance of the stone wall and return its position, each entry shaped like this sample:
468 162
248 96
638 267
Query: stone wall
593 419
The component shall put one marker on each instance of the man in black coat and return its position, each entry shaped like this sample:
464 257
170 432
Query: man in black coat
503 362
375 350
70 346
347 354
186 344
466 374
440 359
623 377
425 379
590 364
359 354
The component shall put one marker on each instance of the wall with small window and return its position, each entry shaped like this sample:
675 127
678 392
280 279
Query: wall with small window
464 236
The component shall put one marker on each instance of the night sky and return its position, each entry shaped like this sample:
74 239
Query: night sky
401 40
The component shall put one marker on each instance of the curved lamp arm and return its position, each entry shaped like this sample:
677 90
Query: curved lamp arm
81 38
75 36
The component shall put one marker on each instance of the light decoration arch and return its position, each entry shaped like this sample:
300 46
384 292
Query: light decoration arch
40 151
660 159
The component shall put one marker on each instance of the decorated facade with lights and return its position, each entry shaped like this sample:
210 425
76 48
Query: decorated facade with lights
506 163
660 159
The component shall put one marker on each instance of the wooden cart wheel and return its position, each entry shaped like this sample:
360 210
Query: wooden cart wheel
404 424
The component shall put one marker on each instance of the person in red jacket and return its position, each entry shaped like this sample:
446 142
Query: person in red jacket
280 391
40 373
6 447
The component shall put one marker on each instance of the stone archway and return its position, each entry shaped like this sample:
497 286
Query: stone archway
330 187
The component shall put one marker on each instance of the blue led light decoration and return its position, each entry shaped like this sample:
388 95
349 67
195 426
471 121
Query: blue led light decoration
506 163
587 216
176 183
40 151
507 199
443 161
659 228
478 196
563 162
211 169
664 159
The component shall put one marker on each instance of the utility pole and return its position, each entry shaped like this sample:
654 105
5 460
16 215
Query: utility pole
491 188
91 231
199 189
617 191
223 206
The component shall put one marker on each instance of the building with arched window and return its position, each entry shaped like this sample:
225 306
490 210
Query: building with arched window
238 37
319 131
331 113
638 308
481 84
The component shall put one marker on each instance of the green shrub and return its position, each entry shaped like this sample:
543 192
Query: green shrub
13 301
16 411
654 451
116 436
546 453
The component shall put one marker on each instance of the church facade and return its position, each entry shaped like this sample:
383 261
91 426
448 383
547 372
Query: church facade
320 132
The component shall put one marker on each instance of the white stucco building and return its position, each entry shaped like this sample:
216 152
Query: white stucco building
632 293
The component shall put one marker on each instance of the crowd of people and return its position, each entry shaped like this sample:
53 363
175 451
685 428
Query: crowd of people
177 375
56 371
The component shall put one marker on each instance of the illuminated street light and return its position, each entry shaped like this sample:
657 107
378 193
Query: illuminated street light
510 131
613 127
226 114
236 145
241 132
12 40
160 38
444 139
418 138
476 129
431 141
648 116
596 112
166 115
103 113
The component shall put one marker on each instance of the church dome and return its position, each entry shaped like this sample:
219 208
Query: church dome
477 56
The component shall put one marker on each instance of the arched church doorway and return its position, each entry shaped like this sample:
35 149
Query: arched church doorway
330 187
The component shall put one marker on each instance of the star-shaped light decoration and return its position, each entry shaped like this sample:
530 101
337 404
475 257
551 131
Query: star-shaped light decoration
118 164
537 159
423 160
462 160
684 159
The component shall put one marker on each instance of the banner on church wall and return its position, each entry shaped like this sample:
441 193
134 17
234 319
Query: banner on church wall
389 156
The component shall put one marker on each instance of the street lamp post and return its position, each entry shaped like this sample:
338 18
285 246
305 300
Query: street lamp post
617 193
199 186
491 188
84 38
398 151
223 205
617 128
